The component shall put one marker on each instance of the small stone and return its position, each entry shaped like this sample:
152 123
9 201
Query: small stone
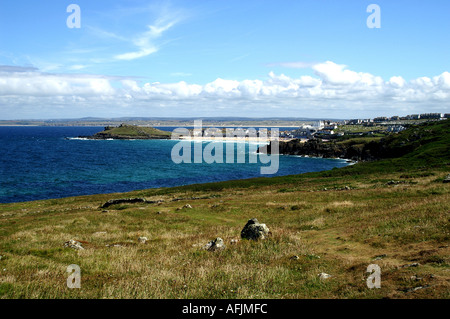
295 257
447 179
234 241
142 240
417 288
379 257
215 245
416 278
73 244
159 213
410 265
187 206
323 275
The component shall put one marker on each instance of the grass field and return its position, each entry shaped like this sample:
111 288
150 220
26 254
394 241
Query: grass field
394 213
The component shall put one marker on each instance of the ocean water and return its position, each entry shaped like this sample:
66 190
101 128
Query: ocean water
42 163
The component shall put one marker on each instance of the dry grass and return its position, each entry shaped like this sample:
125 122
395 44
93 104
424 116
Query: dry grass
339 232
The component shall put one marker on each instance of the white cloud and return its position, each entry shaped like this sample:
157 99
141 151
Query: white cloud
334 90
145 42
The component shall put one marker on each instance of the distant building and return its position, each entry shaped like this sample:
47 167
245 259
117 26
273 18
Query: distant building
330 127
431 116
380 119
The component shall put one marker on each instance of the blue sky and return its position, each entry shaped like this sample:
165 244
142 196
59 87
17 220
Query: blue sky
223 58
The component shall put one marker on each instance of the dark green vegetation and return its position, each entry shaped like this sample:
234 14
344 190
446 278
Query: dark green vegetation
421 143
131 132
393 212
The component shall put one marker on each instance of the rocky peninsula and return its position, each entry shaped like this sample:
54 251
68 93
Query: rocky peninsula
130 132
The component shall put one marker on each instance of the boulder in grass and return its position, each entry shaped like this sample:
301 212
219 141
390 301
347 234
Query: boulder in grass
73 244
254 230
447 179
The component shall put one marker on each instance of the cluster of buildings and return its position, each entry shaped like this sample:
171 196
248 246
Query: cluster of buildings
327 129
319 128
383 119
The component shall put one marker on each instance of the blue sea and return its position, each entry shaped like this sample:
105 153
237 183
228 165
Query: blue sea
47 162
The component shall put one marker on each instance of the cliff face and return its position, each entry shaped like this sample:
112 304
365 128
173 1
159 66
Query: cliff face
317 148
391 146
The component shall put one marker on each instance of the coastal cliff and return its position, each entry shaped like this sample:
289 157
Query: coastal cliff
318 148
361 149
128 132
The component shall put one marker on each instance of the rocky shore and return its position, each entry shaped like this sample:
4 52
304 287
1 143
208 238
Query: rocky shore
317 148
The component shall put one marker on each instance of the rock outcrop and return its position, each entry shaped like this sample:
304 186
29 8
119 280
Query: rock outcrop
318 148
129 132
254 230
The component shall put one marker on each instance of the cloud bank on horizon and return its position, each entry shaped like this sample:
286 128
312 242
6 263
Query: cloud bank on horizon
333 87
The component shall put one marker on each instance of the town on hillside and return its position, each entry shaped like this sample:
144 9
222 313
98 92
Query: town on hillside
376 127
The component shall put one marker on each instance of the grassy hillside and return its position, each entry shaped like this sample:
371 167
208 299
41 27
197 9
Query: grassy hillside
421 144
131 131
393 213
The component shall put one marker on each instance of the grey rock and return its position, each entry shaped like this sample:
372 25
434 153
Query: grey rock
254 230
379 257
416 288
215 245
410 265
323 275
73 244
447 179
